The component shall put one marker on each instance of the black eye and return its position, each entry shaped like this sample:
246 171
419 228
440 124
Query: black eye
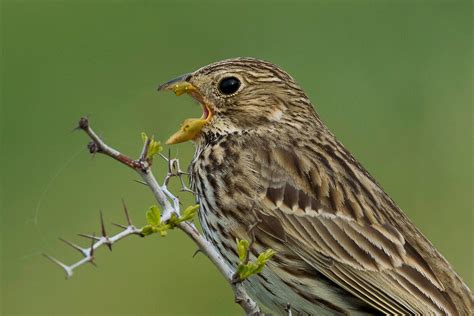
229 85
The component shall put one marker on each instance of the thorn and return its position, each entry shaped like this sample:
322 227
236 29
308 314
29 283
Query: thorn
196 252
127 215
56 261
141 182
120 225
163 156
146 146
102 226
186 190
169 161
91 251
89 236
66 268
76 129
104 233
73 245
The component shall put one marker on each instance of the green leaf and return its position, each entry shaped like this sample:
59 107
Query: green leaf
189 213
153 216
156 225
247 269
265 256
173 221
242 270
163 232
242 249
147 230
154 146
144 138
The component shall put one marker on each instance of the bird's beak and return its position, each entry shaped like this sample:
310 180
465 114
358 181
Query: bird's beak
178 85
190 128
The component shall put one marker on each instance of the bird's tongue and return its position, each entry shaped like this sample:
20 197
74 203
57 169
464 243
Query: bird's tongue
190 128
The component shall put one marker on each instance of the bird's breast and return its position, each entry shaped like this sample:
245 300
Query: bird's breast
226 189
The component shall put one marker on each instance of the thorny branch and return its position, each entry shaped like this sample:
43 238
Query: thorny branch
170 205
96 242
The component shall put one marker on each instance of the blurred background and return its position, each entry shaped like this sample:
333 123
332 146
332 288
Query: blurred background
392 80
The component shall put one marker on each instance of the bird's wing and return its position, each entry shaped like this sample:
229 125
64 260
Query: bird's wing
325 220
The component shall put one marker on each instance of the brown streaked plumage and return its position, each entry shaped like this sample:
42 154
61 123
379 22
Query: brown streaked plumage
343 246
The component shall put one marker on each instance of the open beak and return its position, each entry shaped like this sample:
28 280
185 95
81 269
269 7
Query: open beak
190 128
178 85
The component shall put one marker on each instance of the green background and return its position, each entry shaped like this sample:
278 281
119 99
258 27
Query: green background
392 80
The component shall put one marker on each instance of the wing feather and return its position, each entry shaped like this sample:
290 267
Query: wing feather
328 228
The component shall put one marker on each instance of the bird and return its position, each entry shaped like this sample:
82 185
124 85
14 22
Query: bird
266 168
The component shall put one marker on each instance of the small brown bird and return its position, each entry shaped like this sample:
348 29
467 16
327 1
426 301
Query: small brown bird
267 169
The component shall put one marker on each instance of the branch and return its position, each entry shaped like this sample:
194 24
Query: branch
170 205
97 242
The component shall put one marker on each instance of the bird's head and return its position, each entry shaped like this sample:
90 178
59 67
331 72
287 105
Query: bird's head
236 95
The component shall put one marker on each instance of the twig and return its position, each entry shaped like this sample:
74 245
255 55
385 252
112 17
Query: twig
170 205
174 170
96 242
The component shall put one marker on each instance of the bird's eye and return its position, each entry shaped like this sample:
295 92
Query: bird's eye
229 85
